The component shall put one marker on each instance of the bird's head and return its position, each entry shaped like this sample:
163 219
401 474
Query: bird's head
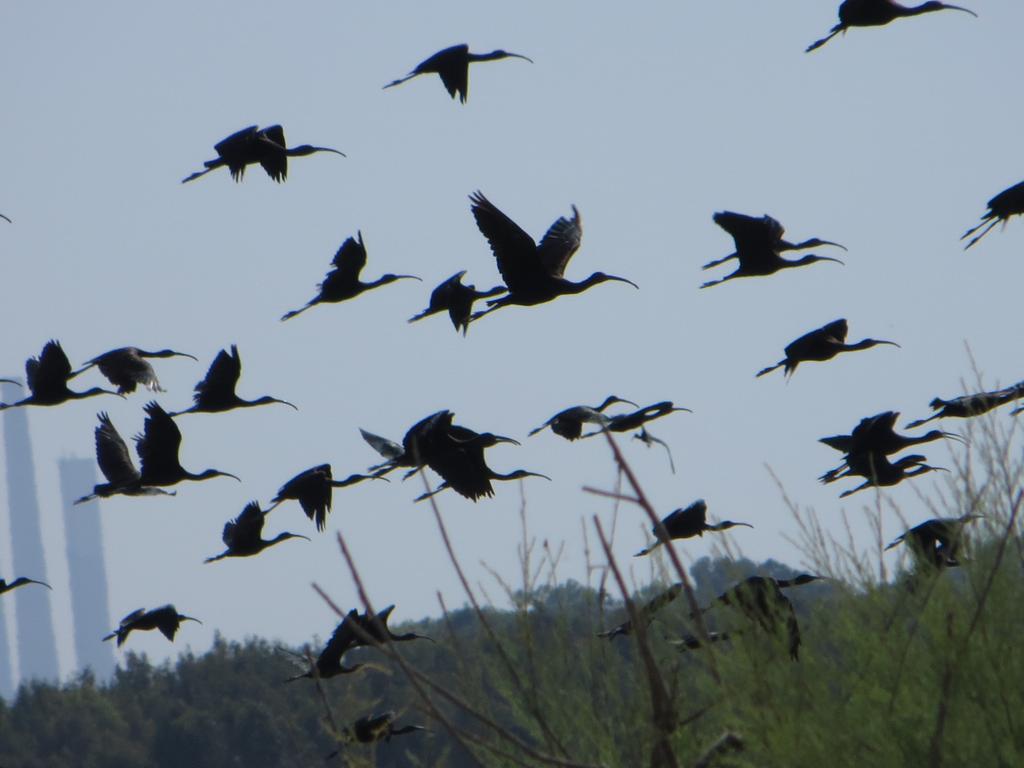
519 474
811 258
208 473
612 399
601 277
500 54
815 242
287 535
168 353
389 278
487 439
22 580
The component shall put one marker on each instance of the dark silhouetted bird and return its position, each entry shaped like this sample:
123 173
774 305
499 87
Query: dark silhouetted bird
645 612
649 440
878 471
116 465
158 446
243 536
19 582
126 367
877 13
759 242
216 392
966 406
314 490
876 434
457 299
569 423
820 344
936 542
687 522
760 600
47 377
378 727
254 145
343 282
533 273
166 619
411 451
1009 202
626 422
452 64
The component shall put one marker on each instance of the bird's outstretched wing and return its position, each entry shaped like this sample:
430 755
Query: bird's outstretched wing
235 151
159 442
221 378
452 66
350 258
272 154
50 371
112 454
389 449
837 329
560 242
248 526
514 250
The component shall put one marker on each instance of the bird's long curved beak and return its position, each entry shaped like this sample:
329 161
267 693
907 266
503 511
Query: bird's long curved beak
500 439
285 402
955 436
680 409
228 474
520 56
408 277
829 242
623 280
33 581
892 343
300 536
186 354
829 258
328 149
958 8
189 618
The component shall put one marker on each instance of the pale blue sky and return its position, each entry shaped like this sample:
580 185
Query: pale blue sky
648 117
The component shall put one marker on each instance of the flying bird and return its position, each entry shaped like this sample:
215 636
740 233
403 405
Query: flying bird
820 344
378 727
343 282
417 442
126 367
116 465
966 406
627 422
936 542
878 471
685 523
216 392
877 13
1009 202
645 613
456 299
253 145
452 64
166 619
568 423
47 377
313 489
759 242
534 274
649 440
158 446
21 581
243 536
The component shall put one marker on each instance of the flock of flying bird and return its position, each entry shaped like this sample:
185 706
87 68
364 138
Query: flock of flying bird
532 273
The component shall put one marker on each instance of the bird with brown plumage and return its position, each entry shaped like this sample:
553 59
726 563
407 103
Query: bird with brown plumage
452 65
252 145
878 13
685 523
820 345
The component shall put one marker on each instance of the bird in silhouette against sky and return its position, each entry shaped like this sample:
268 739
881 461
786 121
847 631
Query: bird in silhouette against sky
411 452
166 619
21 581
253 145
127 367
820 344
878 471
314 490
645 437
47 377
966 406
116 465
936 542
216 392
452 64
685 523
645 612
877 13
342 282
1009 202
533 273
876 434
243 536
158 446
568 423
627 422
362 629
456 299
759 242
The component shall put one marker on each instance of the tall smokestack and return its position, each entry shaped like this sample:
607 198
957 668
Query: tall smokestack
37 646
90 608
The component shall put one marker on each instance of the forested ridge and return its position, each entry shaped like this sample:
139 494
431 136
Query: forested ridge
922 670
